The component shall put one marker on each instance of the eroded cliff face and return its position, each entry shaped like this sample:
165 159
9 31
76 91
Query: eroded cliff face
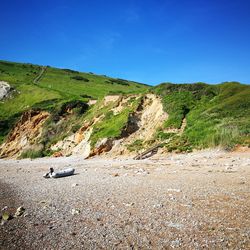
142 124
25 135
76 144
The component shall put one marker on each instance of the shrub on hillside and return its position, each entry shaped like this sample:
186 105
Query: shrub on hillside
86 96
71 71
121 82
80 78
32 154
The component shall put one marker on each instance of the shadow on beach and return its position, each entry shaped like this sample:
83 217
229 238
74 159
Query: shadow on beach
13 230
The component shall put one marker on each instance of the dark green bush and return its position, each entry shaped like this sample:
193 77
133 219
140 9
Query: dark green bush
86 96
80 78
32 154
71 71
120 82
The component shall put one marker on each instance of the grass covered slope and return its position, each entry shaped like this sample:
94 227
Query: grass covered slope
199 115
215 114
54 88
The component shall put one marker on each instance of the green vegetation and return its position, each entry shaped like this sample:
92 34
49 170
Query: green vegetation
65 83
216 114
179 99
65 120
164 136
112 126
32 154
79 78
135 146
55 87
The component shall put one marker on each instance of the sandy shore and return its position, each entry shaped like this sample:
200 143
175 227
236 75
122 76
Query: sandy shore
194 201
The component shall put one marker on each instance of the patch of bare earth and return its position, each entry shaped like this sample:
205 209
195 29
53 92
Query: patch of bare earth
191 201
25 134
149 117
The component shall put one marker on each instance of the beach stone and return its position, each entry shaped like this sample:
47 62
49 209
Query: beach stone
19 211
75 211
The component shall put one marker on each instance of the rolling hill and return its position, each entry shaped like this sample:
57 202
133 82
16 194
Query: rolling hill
49 111
52 89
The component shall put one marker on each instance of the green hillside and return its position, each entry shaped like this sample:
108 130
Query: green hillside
215 114
54 88
212 114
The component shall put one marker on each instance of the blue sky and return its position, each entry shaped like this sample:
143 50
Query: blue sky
150 41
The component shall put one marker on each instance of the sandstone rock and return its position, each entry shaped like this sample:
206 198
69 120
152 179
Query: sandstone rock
25 133
76 144
57 154
103 145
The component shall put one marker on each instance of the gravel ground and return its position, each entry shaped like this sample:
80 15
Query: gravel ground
193 201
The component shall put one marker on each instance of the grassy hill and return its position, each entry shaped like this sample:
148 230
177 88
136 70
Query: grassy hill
215 114
54 88
212 114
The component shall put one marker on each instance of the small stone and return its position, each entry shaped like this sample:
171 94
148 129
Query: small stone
175 243
4 208
242 182
129 204
158 205
75 211
174 190
115 175
3 222
74 185
175 225
19 211
141 171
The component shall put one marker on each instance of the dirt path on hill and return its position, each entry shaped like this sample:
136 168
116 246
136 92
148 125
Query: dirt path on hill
37 79
193 201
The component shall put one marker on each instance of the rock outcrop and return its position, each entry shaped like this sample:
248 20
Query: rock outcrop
103 145
142 124
4 90
25 134
76 144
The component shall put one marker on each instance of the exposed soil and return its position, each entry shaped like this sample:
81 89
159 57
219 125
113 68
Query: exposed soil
147 120
142 125
190 201
25 134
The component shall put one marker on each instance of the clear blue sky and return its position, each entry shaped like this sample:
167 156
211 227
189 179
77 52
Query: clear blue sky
150 41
